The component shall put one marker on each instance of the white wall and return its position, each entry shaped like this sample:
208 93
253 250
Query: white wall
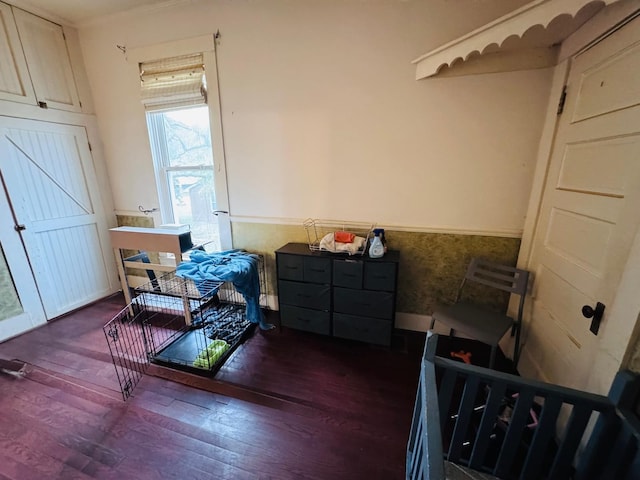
322 116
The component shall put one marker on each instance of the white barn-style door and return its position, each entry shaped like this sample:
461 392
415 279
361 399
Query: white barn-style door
589 217
50 182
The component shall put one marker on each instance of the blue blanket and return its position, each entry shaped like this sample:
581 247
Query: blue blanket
235 266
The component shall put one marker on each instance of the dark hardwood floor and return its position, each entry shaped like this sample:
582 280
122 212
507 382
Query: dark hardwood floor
286 405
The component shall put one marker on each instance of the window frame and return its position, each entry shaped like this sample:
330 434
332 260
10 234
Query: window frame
205 44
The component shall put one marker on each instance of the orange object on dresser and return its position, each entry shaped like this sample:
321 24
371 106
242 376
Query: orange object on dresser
344 237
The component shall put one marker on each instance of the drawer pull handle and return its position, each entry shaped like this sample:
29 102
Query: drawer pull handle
380 276
303 320
303 295
318 270
351 275
291 267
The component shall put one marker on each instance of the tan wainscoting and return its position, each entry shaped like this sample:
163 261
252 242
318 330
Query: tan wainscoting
431 264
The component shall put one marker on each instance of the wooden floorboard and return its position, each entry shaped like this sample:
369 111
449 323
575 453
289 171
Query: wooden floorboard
286 405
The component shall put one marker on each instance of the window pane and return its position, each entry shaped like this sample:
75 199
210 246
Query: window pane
188 136
183 161
193 200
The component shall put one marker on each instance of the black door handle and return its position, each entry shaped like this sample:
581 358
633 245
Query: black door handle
595 314
20 227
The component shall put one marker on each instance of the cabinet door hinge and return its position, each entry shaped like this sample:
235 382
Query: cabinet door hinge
90 149
563 98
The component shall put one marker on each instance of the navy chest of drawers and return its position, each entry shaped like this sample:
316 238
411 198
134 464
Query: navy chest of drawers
344 296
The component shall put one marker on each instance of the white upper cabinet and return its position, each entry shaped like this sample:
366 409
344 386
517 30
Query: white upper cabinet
15 83
48 62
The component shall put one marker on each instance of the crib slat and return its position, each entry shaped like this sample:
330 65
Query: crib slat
464 416
602 437
413 447
621 456
481 442
545 432
634 468
573 434
513 438
418 458
444 396
429 460
416 421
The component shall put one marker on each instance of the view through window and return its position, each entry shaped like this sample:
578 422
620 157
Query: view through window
183 159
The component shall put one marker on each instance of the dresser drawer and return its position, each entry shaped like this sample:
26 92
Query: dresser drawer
370 330
351 297
347 273
308 295
380 276
317 270
315 321
363 302
290 267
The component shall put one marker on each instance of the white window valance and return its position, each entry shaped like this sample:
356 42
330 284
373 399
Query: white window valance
173 82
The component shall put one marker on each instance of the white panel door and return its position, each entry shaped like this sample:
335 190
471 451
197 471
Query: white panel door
15 83
50 180
32 312
589 213
45 48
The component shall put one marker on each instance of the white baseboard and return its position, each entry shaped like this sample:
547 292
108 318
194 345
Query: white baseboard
413 321
422 323
419 323
272 302
404 321
529 367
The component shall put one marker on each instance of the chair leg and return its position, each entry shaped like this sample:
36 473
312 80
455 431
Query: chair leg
516 348
492 359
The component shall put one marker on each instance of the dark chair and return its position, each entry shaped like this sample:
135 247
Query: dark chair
478 322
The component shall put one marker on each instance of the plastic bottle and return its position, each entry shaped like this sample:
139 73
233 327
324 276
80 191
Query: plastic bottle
376 249
380 232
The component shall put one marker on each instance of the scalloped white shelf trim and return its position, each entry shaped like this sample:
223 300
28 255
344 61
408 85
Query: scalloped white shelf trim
516 23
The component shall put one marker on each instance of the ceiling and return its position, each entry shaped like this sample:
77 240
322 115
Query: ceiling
77 11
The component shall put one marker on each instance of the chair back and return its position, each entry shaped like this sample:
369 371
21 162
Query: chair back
503 277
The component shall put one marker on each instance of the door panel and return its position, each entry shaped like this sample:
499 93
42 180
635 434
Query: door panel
68 258
588 216
48 166
45 49
582 168
15 83
610 85
51 184
21 276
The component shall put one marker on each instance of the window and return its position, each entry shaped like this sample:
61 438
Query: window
183 161
174 94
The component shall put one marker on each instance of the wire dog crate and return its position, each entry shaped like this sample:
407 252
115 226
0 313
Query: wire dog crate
318 230
128 347
176 322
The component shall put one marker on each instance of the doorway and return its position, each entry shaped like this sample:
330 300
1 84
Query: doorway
50 196
588 220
